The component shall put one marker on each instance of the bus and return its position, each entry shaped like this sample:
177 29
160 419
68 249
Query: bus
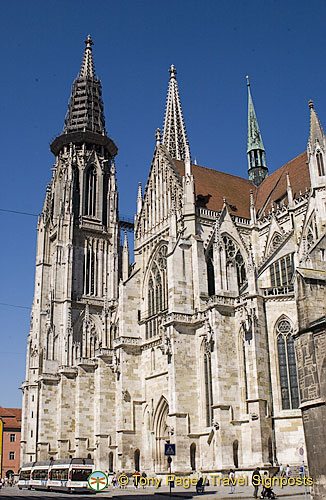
70 474
39 474
25 476
65 474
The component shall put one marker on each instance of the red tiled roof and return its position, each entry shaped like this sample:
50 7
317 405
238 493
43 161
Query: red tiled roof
236 190
11 417
274 186
220 185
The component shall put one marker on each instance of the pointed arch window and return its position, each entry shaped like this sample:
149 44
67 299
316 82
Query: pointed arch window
157 291
210 271
90 193
320 163
89 268
234 257
287 365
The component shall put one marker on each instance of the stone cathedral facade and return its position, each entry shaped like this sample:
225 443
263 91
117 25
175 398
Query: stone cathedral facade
193 342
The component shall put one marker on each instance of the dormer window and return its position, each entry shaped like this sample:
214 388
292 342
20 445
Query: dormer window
320 163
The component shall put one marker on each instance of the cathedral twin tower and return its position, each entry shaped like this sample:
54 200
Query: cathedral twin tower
194 342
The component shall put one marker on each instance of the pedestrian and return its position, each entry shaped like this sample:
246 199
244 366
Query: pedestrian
256 481
200 488
114 480
288 471
282 473
232 481
136 479
302 471
144 475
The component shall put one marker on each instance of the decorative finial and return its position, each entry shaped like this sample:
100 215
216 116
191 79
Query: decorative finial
158 136
311 104
172 71
247 78
88 42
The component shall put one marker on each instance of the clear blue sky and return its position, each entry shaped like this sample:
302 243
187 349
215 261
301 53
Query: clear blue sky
213 45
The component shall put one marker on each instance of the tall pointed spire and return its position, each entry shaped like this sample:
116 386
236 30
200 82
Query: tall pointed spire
257 169
85 110
85 121
316 130
87 67
174 133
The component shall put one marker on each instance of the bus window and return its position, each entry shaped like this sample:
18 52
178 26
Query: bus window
80 474
59 474
24 474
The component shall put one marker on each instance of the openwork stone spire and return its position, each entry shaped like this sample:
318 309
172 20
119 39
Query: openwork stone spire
257 169
87 67
85 109
316 130
174 133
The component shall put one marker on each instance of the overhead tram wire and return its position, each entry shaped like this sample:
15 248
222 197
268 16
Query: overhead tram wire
126 222
14 305
17 212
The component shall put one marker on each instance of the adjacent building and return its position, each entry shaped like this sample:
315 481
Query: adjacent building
11 418
192 343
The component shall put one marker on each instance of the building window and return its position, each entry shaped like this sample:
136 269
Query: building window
210 271
11 455
157 298
31 434
90 194
234 258
287 365
193 456
320 163
89 268
12 438
282 271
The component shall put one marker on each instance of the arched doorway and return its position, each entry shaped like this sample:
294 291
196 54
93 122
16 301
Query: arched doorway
236 453
137 460
111 461
162 434
9 474
193 456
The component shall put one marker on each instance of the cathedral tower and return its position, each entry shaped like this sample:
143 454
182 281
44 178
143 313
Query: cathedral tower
76 282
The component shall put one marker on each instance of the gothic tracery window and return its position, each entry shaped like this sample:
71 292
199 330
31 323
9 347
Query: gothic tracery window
287 365
90 192
157 291
276 240
320 163
234 257
282 271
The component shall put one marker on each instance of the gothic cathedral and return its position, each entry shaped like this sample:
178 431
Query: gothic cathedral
194 342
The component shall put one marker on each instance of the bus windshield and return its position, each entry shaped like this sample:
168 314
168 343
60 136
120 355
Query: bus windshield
25 474
80 474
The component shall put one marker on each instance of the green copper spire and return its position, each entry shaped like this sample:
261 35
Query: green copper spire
257 169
